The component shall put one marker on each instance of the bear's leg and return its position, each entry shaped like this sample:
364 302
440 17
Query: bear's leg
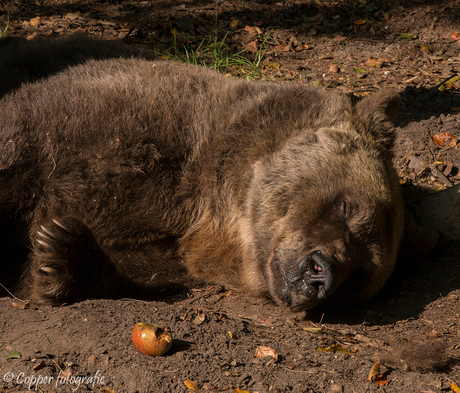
67 265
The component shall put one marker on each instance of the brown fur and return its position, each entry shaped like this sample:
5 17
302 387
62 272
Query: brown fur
133 174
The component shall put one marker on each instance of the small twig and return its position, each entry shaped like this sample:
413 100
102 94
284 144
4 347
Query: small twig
6 289
16 298
321 320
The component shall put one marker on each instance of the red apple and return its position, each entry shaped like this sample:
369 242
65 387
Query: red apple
151 340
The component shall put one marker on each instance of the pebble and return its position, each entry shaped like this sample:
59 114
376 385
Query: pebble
336 388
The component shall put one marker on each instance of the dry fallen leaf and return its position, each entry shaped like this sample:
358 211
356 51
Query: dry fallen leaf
234 23
380 380
360 22
334 348
284 47
375 375
240 391
455 35
251 30
454 387
262 352
375 370
200 318
427 49
66 374
312 329
105 389
445 139
300 48
374 63
272 66
192 385
251 47
20 305
39 366
35 21
334 68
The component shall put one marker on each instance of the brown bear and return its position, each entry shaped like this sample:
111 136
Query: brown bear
130 175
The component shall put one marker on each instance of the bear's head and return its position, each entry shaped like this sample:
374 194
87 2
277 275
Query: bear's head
325 215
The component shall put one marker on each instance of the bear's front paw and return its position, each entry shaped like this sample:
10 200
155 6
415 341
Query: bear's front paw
68 265
62 238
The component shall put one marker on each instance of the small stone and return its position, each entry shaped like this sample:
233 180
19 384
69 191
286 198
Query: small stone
259 387
334 68
336 388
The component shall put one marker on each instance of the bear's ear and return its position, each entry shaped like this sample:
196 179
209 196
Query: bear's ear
374 117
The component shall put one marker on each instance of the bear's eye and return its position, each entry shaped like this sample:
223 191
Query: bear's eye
345 208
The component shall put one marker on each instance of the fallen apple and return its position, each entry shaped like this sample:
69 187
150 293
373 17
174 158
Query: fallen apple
150 339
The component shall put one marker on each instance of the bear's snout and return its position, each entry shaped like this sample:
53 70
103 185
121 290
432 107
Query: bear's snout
310 280
317 275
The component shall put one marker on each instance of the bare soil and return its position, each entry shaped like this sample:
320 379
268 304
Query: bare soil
412 327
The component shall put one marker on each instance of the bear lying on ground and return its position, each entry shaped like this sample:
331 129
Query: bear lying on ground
129 175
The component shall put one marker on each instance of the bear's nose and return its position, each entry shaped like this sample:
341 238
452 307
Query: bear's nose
318 274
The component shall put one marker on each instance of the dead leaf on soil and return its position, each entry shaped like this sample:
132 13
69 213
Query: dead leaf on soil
192 385
251 47
455 35
300 48
380 380
454 387
66 374
105 389
406 35
445 139
334 348
13 355
366 341
21 305
34 21
285 47
39 366
427 49
240 391
334 68
263 352
312 329
234 23
200 318
251 30
272 66
374 62
360 22
376 376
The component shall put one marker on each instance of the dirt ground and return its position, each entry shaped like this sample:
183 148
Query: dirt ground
412 327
